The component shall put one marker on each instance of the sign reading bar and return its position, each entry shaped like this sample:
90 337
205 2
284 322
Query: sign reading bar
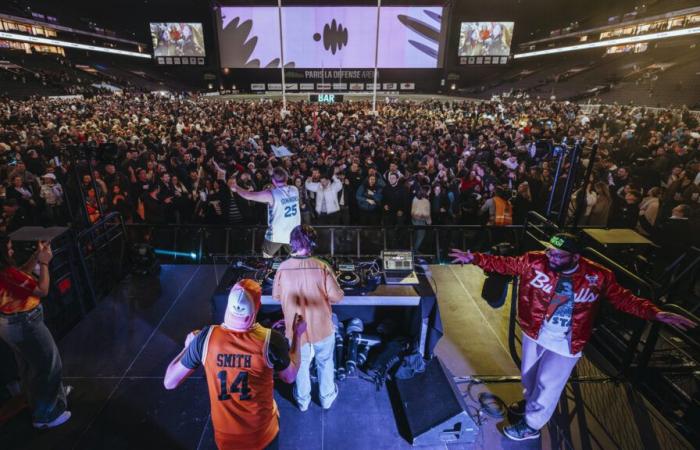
325 98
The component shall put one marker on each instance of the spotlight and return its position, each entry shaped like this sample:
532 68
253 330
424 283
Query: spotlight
453 86
192 255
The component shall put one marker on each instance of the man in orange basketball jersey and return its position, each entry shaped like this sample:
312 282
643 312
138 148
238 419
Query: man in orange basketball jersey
239 359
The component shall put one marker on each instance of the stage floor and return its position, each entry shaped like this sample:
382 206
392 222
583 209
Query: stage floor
116 357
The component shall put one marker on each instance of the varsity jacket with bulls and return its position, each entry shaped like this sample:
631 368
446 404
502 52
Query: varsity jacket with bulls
536 289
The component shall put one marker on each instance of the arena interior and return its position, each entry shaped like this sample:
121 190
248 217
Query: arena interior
339 225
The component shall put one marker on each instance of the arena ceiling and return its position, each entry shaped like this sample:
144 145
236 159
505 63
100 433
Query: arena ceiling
532 17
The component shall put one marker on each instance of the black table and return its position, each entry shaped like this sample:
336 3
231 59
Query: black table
415 307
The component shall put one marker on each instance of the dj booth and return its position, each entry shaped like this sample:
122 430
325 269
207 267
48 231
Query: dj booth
412 309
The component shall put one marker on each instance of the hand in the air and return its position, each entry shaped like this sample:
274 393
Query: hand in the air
676 320
461 257
44 252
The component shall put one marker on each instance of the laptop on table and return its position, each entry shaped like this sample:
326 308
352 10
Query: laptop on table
398 267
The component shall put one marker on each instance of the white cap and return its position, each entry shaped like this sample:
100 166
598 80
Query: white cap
240 304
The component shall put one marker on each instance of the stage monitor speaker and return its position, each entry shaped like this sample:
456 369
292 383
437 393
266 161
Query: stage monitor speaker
434 408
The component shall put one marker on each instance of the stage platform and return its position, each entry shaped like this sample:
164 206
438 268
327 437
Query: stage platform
115 360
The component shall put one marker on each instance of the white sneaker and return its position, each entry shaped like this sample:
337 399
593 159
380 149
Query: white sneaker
328 402
60 420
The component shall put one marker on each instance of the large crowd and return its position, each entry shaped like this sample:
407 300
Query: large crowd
161 160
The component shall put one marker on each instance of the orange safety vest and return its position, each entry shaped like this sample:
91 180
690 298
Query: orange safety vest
240 380
504 212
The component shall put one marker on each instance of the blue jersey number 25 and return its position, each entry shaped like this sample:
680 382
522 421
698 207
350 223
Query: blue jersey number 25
290 211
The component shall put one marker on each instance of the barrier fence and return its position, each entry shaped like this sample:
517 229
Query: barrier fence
205 243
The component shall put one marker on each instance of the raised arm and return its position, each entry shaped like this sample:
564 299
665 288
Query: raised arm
505 265
312 186
259 196
336 185
177 371
44 256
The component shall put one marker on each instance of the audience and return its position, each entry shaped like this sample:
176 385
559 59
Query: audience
163 160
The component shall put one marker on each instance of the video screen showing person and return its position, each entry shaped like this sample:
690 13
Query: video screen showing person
485 38
177 39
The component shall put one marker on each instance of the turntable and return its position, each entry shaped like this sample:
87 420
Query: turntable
269 277
347 276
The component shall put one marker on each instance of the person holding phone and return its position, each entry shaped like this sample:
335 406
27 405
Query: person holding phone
22 328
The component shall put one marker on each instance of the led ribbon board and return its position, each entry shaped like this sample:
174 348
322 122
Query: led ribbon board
46 41
611 42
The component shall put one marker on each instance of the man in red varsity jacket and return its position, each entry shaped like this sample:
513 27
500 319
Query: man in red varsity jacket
559 296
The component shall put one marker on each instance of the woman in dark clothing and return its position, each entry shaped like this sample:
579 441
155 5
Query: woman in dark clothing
118 202
522 203
439 206
369 198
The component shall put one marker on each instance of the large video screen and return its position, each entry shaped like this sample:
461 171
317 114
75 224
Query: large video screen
331 37
485 38
177 39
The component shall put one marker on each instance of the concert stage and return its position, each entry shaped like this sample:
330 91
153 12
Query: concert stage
116 357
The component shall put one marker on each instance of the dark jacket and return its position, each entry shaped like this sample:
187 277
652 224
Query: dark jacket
397 198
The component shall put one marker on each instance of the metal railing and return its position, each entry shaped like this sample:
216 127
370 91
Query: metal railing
667 372
620 336
205 243
102 250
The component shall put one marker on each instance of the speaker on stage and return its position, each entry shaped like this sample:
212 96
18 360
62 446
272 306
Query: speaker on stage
434 408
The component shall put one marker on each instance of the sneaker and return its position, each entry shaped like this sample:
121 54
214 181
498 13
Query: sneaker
303 408
60 420
325 403
521 431
517 408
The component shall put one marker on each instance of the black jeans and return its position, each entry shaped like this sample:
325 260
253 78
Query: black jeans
38 361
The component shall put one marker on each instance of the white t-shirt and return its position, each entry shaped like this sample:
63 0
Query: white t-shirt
555 334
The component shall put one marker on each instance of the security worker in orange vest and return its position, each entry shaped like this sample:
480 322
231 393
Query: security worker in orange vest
499 208
240 357
503 210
